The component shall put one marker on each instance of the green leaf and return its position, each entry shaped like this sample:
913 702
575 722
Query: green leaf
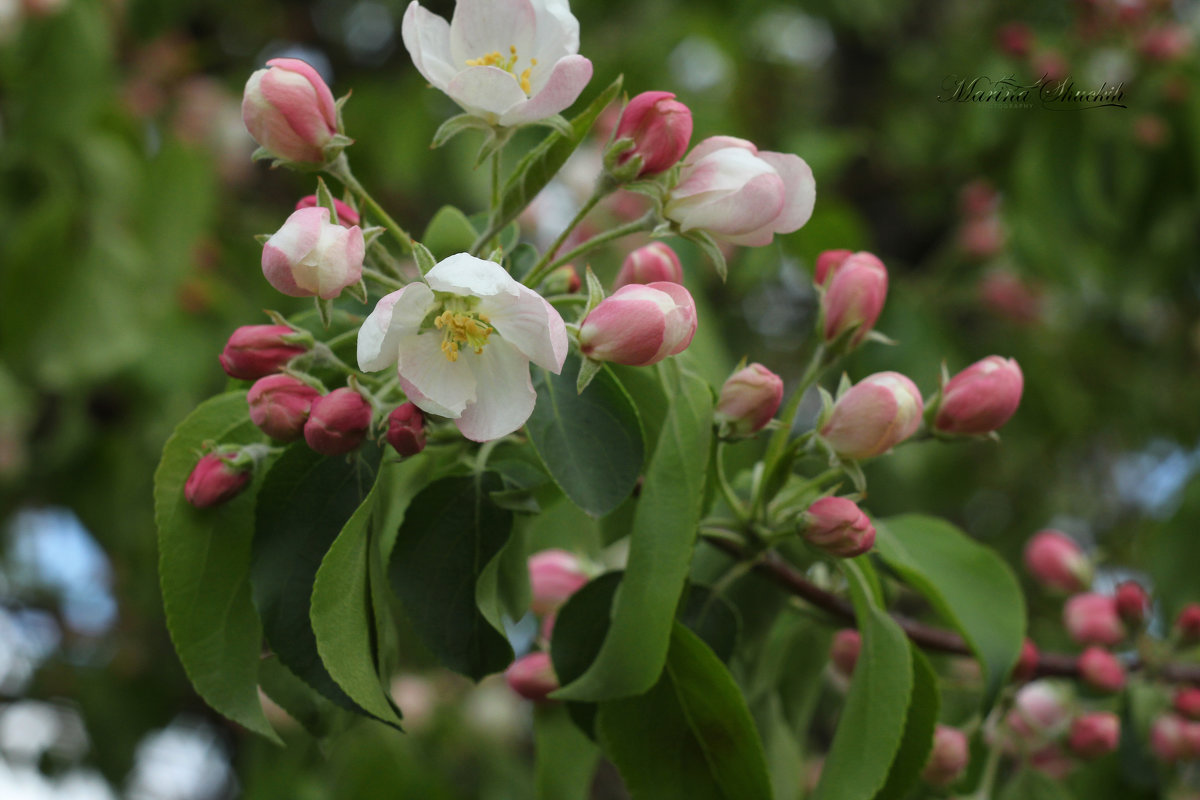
591 443
543 162
305 502
712 250
660 551
713 618
1033 785
449 232
310 709
971 588
204 567
566 759
343 617
691 736
503 587
456 125
918 731
450 533
872 724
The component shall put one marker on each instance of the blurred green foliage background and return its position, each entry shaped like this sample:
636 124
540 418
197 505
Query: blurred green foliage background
128 206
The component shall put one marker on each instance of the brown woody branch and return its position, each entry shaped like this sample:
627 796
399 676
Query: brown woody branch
927 637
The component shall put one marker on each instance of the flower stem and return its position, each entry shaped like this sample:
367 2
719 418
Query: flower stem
731 498
542 268
340 169
562 237
380 278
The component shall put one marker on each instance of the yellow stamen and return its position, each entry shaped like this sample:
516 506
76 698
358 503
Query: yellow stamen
462 329
495 59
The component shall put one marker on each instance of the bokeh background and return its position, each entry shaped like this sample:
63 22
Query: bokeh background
1064 237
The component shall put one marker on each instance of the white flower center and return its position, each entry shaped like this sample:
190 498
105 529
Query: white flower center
509 65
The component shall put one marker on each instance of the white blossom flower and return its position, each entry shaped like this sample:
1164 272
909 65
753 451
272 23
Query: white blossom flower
462 343
509 62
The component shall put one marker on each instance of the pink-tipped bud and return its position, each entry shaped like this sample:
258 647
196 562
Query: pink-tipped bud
1027 663
1094 735
654 263
1015 39
554 575
854 297
1133 603
1101 670
532 676
215 480
1057 563
839 527
1169 740
1187 624
1165 43
948 758
661 128
254 351
981 398
1091 618
289 110
749 400
309 256
563 280
640 324
1053 761
338 422
1040 711
875 415
847 644
827 263
406 429
280 405
347 217
1187 702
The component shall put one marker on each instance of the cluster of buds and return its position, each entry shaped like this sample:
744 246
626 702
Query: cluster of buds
1175 735
1044 725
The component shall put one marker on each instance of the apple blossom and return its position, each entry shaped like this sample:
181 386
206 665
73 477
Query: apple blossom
652 263
875 415
749 399
660 127
462 343
739 194
1187 701
1133 603
1101 670
640 324
839 527
347 217
406 429
215 480
854 297
279 406
1187 624
1095 735
981 398
948 756
1169 739
1056 562
311 256
254 351
1040 711
1027 662
508 62
289 110
827 262
1091 618
554 575
532 676
338 422
847 644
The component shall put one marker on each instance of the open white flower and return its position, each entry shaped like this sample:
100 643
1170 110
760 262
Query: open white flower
462 343
509 62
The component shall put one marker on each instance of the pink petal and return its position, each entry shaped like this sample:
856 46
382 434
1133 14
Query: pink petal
562 88
320 88
714 143
755 205
800 190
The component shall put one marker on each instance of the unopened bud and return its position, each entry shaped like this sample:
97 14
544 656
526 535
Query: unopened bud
640 325
1027 663
1053 761
827 263
981 398
854 298
875 415
254 351
948 758
660 127
347 217
1133 603
1094 735
406 429
280 405
1169 740
310 256
290 111
1057 563
847 644
532 676
563 280
1187 624
215 480
1040 711
1187 702
338 422
749 400
1091 618
1101 670
839 527
653 263
554 575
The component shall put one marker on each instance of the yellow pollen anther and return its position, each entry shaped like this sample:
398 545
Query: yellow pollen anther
495 59
462 329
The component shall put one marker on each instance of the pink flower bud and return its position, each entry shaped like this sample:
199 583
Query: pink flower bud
1015 39
279 406
1187 624
839 527
1040 711
855 297
254 351
1165 43
532 676
1187 702
847 644
554 575
654 263
1094 735
875 415
1006 294
640 324
289 110
338 422
982 237
749 400
827 264
309 256
347 217
1101 670
1133 603
215 480
978 198
563 280
1091 618
1052 761
981 398
1169 740
1057 563
948 758
661 128
1027 662
406 429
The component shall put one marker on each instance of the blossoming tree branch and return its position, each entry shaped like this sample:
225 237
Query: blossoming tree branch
387 450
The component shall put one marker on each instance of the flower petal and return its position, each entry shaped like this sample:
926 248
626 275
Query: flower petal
529 324
480 27
745 211
714 143
463 273
556 32
319 88
800 190
427 39
423 366
486 92
505 396
395 317
561 89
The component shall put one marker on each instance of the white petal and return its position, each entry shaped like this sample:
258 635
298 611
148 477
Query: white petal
486 92
504 397
396 315
464 274
427 39
714 143
480 27
557 32
800 190
424 366
562 87
531 325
